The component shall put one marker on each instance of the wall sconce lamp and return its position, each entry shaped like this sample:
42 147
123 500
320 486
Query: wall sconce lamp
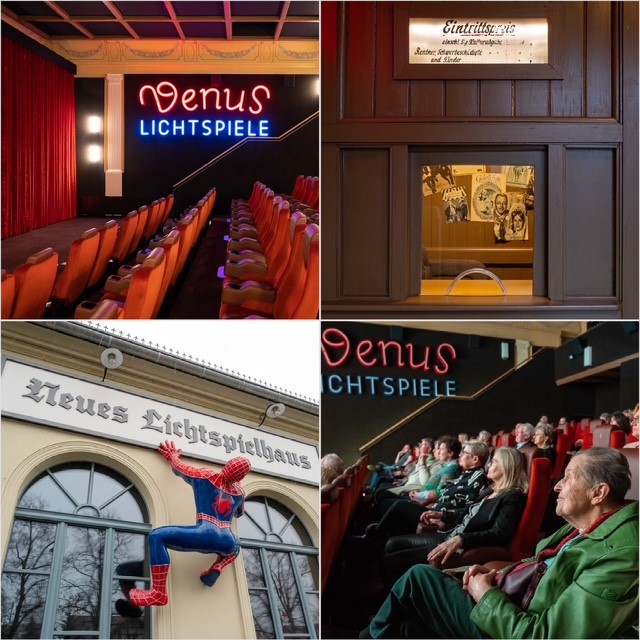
587 356
94 124
504 350
94 153
111 359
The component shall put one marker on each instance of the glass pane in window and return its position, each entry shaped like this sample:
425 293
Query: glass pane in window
286 591
257 520
313 602
262 621
126 507
30 546
44 494
253 567
480 218
106 485
308 569
295 533
129 554
75 479
23 599
128 621
79 596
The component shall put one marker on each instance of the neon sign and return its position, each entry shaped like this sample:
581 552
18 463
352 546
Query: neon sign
338 350
166 98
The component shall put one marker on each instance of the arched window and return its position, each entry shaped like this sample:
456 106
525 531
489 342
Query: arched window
78 538
282 570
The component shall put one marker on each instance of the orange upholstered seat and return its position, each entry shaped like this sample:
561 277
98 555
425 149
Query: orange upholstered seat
74 274
34 283
8 293
108 236
126 233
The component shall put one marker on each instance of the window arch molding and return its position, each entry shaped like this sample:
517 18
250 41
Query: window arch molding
267 488
67 451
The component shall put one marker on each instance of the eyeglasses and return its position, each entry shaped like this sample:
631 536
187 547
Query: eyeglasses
466 453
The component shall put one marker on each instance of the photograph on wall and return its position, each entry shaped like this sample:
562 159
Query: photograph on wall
501 216
518 176
456 207
436 178
467 169
484 188
518 227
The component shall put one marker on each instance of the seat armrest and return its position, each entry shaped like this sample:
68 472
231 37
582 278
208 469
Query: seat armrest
246 254
238 293
117 285
244 244
244 269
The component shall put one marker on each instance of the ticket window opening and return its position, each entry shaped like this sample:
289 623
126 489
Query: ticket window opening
477 229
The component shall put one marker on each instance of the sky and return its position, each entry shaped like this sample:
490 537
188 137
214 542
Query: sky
283 354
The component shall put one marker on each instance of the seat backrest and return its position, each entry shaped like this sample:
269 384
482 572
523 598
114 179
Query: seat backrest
152 220
530 453
298 187
144 289
8 293
289 291
618 439
126 233
171 245
524 541
143 216
187 229
71 283
562 455
602 436
308 305
34 283
108 235
631 454
167 209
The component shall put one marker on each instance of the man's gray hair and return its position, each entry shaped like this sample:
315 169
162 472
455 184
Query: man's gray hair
608 466
528 428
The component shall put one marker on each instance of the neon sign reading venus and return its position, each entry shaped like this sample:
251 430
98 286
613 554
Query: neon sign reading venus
216 103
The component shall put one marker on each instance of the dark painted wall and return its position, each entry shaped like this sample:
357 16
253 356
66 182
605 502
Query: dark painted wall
153 164
349 421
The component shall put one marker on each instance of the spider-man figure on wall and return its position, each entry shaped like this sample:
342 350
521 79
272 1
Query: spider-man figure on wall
219 497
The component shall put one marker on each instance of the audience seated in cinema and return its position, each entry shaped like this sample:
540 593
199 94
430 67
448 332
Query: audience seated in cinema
489 521
543 439
424 466
634 441
524 435
331 466
385 471
590 592
403 517
620 420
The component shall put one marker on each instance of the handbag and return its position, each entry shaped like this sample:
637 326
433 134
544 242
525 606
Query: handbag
519 582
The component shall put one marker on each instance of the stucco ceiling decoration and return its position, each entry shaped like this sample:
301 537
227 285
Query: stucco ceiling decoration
193 37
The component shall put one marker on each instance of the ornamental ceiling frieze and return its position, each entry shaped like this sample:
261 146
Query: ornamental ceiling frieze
96 58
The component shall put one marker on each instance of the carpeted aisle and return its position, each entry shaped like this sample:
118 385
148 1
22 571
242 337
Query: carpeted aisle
199 295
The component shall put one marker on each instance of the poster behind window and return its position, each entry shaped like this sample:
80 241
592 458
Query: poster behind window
436 178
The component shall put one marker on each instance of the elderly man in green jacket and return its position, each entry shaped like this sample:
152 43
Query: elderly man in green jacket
589 589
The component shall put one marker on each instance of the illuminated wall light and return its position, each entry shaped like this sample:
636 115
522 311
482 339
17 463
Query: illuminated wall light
316 86
94 124
94 153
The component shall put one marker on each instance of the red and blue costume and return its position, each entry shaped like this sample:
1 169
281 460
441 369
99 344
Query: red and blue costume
219 497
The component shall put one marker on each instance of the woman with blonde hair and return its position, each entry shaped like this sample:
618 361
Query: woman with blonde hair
489 521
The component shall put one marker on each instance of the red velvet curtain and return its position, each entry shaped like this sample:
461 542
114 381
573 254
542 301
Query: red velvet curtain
39 184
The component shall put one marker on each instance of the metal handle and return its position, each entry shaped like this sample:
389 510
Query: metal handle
467 272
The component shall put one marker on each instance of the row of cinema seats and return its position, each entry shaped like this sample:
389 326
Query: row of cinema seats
41 282
138 290
339 501
306 192
272 259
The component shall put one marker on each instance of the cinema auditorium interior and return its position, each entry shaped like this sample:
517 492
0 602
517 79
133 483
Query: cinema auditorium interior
473 173
160 160
387 386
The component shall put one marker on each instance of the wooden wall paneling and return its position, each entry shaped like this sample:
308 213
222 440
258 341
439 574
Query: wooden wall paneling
426 99
630 168
365 221
532 98
358 36
590 208
557 256
330 56
405 259
331 188
462 98
599 59
496 98
391 96
567 95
